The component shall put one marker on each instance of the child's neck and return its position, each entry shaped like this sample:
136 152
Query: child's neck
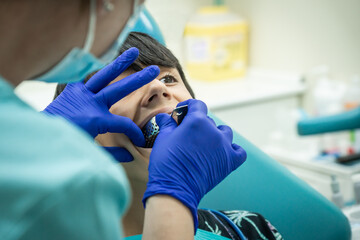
133 220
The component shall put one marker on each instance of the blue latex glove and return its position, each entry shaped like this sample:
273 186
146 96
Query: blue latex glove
87 105
189 160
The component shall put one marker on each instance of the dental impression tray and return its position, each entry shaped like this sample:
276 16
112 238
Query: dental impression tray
151 129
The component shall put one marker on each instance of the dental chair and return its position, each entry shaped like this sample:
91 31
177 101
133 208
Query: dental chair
264 186
339 122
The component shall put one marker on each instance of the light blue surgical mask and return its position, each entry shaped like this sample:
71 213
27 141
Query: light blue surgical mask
80 62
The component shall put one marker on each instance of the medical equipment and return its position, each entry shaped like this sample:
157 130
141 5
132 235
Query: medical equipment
216 44
337 197
151 129
357 192
179 113
338 122
352 100
348 120
348 158
331 98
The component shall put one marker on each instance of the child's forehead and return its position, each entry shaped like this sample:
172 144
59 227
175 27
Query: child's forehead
169 69
172 70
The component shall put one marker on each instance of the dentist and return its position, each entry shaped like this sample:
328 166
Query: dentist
55 183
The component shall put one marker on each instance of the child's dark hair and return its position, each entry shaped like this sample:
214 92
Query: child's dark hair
151 52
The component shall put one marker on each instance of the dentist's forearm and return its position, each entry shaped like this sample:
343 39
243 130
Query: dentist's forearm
167 218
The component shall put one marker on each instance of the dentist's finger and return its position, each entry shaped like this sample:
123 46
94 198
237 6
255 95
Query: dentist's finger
194 106
120 124
227 132
116 91
120 154
239 156
212 121
165 121
103 77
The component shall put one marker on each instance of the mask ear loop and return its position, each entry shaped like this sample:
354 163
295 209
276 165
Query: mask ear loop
113 51
135 13
92 26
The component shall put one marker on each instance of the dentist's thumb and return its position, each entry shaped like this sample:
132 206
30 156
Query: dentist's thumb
165 122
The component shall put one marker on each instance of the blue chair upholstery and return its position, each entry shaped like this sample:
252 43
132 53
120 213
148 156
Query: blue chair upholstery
147 24
262 185
339 122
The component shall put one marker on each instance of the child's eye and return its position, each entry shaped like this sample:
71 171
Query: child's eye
167 79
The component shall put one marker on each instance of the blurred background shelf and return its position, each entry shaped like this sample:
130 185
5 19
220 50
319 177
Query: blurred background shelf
258 86
252 105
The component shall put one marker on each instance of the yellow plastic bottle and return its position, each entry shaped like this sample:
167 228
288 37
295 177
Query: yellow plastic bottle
216 44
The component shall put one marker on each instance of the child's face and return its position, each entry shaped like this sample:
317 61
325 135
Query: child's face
159 96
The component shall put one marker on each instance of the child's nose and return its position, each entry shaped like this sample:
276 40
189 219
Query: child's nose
156 91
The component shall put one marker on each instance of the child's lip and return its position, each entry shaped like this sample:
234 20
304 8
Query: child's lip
166 109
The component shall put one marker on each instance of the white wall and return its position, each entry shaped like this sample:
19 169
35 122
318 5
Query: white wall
293 35
172 15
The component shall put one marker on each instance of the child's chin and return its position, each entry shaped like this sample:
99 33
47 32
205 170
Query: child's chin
144 153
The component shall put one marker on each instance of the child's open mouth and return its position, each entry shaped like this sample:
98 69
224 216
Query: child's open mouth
151 129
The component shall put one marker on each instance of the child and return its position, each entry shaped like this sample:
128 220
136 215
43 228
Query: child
161 96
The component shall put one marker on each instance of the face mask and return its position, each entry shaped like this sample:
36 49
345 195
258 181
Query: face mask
79 63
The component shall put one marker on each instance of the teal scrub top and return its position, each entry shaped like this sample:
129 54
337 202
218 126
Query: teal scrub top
55 183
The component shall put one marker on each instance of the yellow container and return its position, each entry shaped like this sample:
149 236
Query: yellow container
216 45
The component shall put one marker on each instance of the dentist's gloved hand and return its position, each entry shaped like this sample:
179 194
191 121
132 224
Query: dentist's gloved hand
87 105
188 160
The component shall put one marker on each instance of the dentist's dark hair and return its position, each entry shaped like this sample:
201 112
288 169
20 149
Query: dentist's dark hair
151 52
